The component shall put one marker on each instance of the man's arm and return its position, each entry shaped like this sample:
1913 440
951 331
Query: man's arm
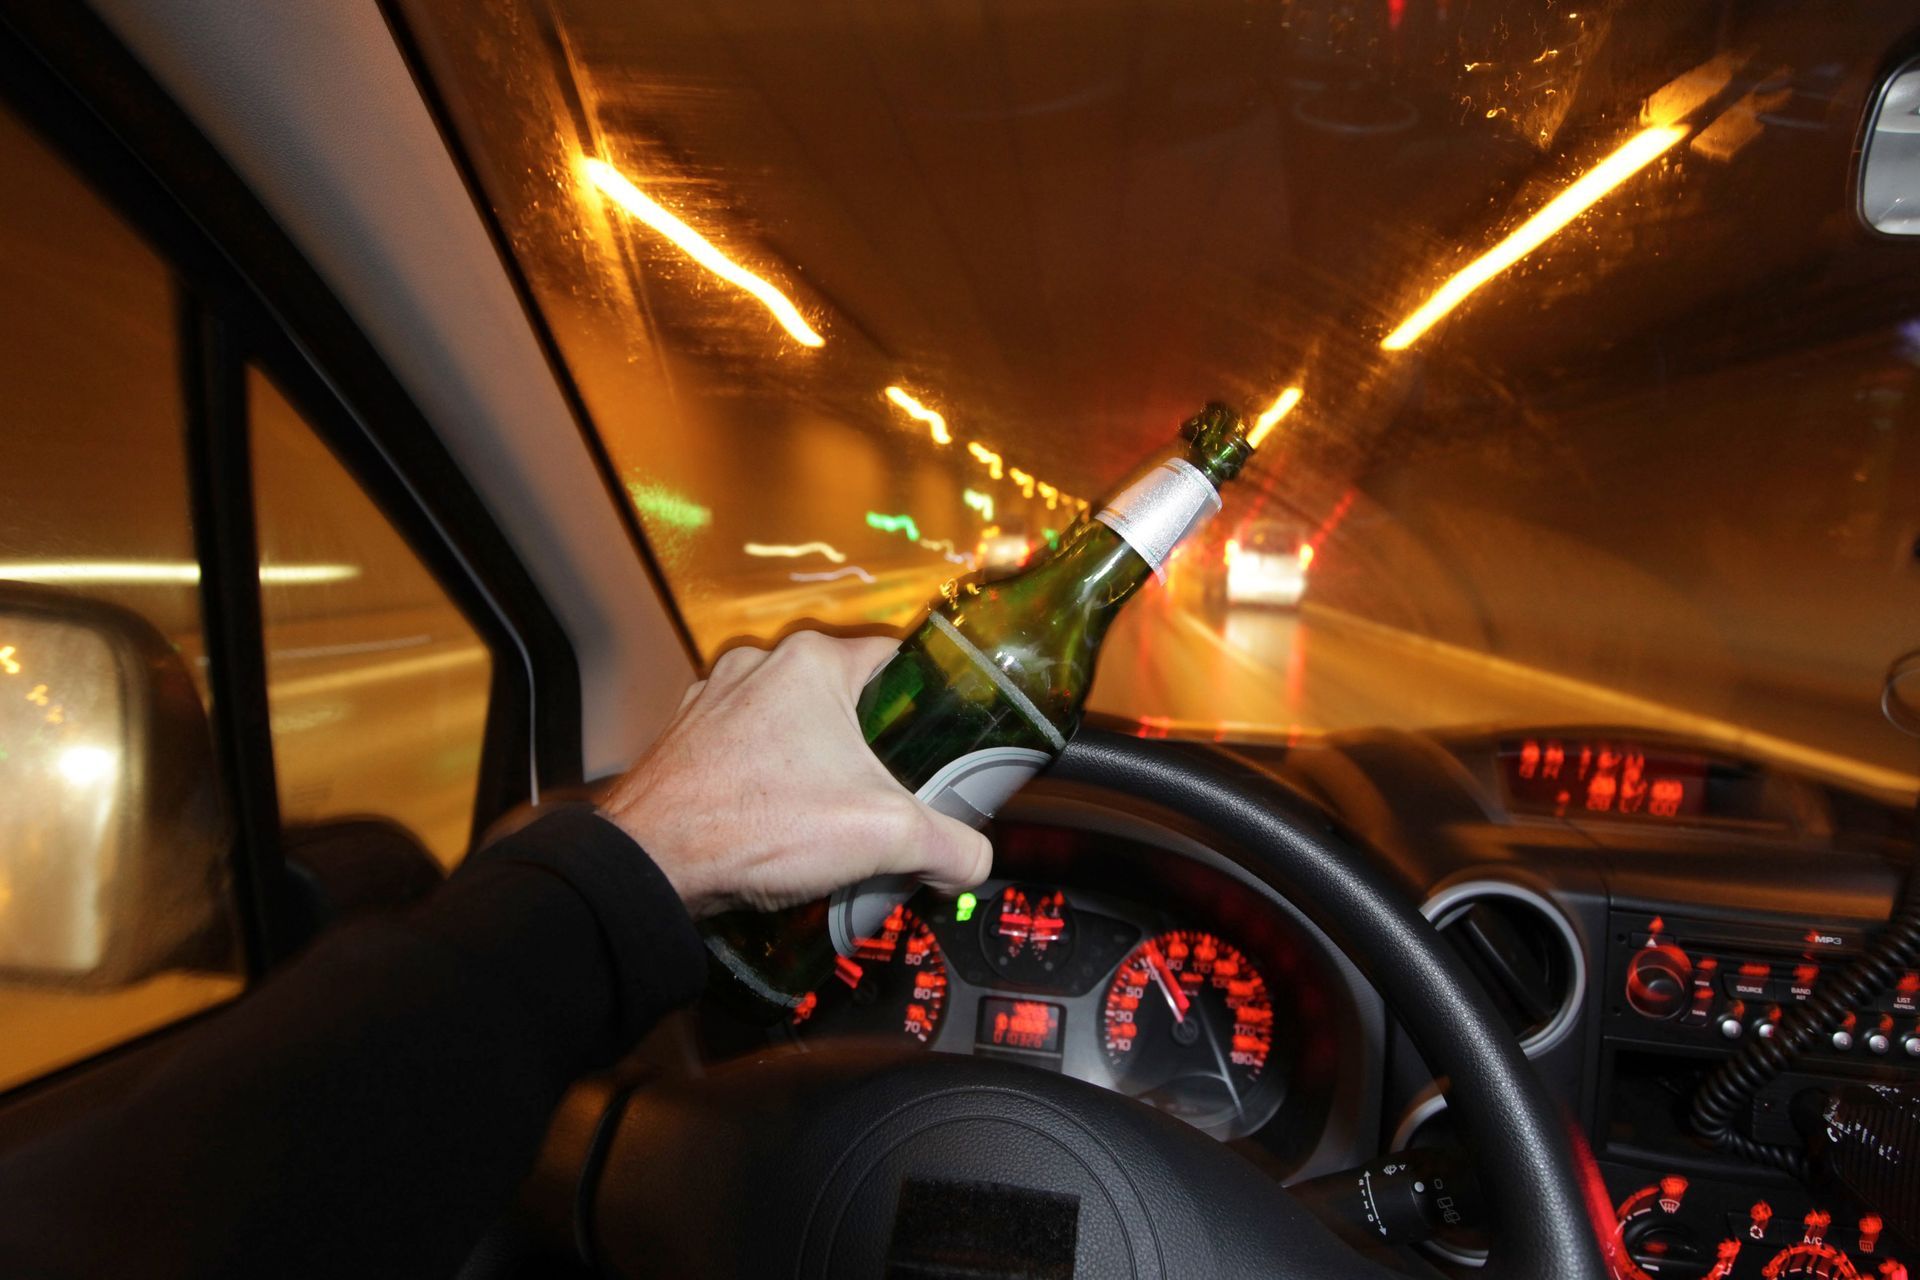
370 1110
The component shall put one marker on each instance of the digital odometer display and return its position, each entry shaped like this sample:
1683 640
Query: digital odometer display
1029 1025
1619 779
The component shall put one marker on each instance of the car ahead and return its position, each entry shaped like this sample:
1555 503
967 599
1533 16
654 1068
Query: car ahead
467 378
1266 564
1001 553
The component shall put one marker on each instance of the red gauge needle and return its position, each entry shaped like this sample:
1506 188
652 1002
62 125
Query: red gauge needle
1169 985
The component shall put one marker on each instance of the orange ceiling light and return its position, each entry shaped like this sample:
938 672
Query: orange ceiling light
696 246
992 461
936 425
1634 155
1263 425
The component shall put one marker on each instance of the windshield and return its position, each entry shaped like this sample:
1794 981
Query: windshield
1595 397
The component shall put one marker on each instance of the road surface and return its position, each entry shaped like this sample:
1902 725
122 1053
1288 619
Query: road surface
1270 672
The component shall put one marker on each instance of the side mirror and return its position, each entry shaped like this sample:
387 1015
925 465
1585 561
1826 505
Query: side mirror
1890 157
113 836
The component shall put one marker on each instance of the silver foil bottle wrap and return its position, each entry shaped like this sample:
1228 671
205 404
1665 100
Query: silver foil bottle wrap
1159 510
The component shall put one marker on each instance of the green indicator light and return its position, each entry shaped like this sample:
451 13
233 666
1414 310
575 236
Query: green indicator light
963 908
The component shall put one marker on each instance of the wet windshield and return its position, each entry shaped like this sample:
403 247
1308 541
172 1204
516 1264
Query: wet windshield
1594 397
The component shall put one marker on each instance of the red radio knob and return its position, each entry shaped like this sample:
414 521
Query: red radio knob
1659 981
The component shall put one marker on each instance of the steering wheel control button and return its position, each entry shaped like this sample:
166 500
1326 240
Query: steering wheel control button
1659 982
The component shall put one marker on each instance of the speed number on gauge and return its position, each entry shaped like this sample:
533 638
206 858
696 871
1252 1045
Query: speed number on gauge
895 980
1188 1005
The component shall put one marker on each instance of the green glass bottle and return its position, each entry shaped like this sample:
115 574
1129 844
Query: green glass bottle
983 695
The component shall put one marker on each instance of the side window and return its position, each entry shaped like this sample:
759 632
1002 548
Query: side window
116 910
377 685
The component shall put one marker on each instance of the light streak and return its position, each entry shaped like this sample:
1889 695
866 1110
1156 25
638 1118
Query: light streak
690 242
668 507
945 547
988 458
830 575
1634 155
7 662
893 524
796 550
1282 406
935 423
1051 494
159 572
1022 479
978 501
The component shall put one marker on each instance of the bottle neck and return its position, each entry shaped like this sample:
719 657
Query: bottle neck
1102 562
1095 569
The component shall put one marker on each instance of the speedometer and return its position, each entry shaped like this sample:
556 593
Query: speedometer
895 980
1188 1025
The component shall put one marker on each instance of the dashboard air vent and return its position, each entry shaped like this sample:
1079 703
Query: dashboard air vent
1524 952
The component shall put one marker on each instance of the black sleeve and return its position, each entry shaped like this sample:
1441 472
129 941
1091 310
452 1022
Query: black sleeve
369 1109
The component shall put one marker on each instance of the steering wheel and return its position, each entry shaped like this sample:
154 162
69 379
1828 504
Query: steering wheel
814 1164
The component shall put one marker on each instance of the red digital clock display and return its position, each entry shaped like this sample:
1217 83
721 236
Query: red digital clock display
1576 777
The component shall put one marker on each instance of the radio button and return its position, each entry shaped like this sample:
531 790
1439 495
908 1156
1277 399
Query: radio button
1750 982
1799 985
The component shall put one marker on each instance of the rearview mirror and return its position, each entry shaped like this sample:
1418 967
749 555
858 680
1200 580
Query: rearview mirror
113 837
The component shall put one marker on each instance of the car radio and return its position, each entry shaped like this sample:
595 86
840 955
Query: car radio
1712 984
1683 993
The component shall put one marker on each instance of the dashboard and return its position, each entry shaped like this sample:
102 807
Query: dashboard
1121 995
1638 907
1128 954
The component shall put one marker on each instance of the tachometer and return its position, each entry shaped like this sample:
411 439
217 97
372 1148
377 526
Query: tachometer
896 980
1188 1025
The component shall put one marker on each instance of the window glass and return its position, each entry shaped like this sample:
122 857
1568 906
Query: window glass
115 917
1598 402
376 684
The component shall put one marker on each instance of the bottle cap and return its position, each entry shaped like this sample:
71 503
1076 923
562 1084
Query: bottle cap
1217 442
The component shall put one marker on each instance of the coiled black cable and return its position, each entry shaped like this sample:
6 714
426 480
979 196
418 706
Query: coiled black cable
1737 1081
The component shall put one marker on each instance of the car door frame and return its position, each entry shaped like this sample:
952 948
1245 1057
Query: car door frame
248 297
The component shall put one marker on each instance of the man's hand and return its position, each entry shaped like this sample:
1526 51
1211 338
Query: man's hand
762 793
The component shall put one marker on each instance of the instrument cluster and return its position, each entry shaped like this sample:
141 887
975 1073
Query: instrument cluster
1179 1012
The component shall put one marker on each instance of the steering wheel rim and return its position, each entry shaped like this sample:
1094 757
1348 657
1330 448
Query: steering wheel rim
784 1119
